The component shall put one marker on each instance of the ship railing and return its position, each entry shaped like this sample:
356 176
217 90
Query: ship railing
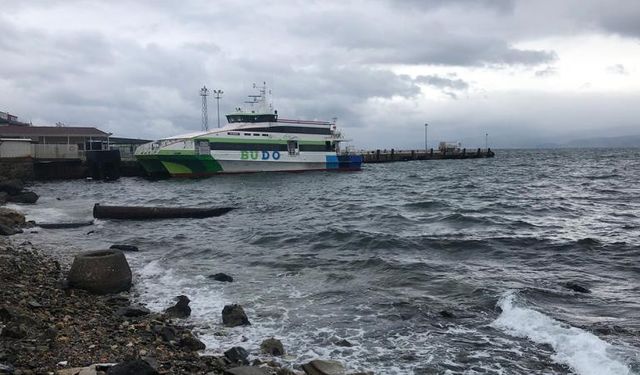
304 122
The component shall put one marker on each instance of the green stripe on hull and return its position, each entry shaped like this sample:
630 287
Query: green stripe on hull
153 166
182 165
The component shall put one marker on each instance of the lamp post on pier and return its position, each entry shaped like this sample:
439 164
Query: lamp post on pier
426 128
218 94
486 141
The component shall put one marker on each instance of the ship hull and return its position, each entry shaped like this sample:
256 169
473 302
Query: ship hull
207 165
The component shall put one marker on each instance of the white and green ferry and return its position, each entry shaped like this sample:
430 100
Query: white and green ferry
255 140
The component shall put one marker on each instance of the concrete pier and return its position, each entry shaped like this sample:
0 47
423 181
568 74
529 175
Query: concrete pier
392 155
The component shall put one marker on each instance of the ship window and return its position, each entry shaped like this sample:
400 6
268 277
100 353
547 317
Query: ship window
256 134
292 147
247 133
265 135
233 133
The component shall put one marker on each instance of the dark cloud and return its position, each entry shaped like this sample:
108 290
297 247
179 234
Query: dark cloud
448 86
429 5
135 68
620 17
443 82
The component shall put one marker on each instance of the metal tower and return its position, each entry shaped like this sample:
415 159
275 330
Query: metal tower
204 92
218 94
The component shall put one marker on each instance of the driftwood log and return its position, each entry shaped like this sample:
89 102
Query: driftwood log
140 212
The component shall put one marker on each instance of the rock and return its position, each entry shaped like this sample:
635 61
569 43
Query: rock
137 367
576 287
100 272
343 343
237 354
11 217
167 333
272 346
24 197
124 247
247 370
222 277
322 367
6 230
233 316
133 311
12 187
14 330
6 369
34 304
447 314
192 343
181 308
3 197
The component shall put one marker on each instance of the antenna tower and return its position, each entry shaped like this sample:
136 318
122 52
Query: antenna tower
204 92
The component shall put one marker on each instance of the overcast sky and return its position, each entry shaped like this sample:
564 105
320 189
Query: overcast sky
526 72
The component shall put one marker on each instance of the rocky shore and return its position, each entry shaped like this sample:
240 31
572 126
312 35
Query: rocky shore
47 327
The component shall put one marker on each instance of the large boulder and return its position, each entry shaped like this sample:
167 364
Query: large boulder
191 343
100 272
10 221
234 315
181 308
322 367
272 346
25 197
12 187
11 217
238 355
6 230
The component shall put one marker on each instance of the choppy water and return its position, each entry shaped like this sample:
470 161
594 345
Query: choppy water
374 257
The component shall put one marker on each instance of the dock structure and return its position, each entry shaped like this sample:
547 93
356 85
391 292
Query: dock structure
392 155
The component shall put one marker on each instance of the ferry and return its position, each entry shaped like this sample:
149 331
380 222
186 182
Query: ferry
254 140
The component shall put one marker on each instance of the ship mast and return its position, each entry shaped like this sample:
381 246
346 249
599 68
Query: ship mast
260 101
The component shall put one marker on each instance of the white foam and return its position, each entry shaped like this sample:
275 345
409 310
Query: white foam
53 213
584 352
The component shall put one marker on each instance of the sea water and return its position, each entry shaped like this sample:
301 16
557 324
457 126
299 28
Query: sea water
451 266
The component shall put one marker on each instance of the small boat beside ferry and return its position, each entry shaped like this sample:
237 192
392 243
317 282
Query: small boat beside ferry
254 140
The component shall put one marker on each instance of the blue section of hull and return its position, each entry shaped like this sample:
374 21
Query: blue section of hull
344 162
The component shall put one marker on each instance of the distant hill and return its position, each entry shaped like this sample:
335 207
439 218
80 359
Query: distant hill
628 141
613 142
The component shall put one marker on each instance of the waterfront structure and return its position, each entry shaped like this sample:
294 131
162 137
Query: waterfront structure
9 119
255 140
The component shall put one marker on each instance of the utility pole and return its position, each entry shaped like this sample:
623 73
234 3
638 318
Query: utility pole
218 94
486 141
204 92
426 128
